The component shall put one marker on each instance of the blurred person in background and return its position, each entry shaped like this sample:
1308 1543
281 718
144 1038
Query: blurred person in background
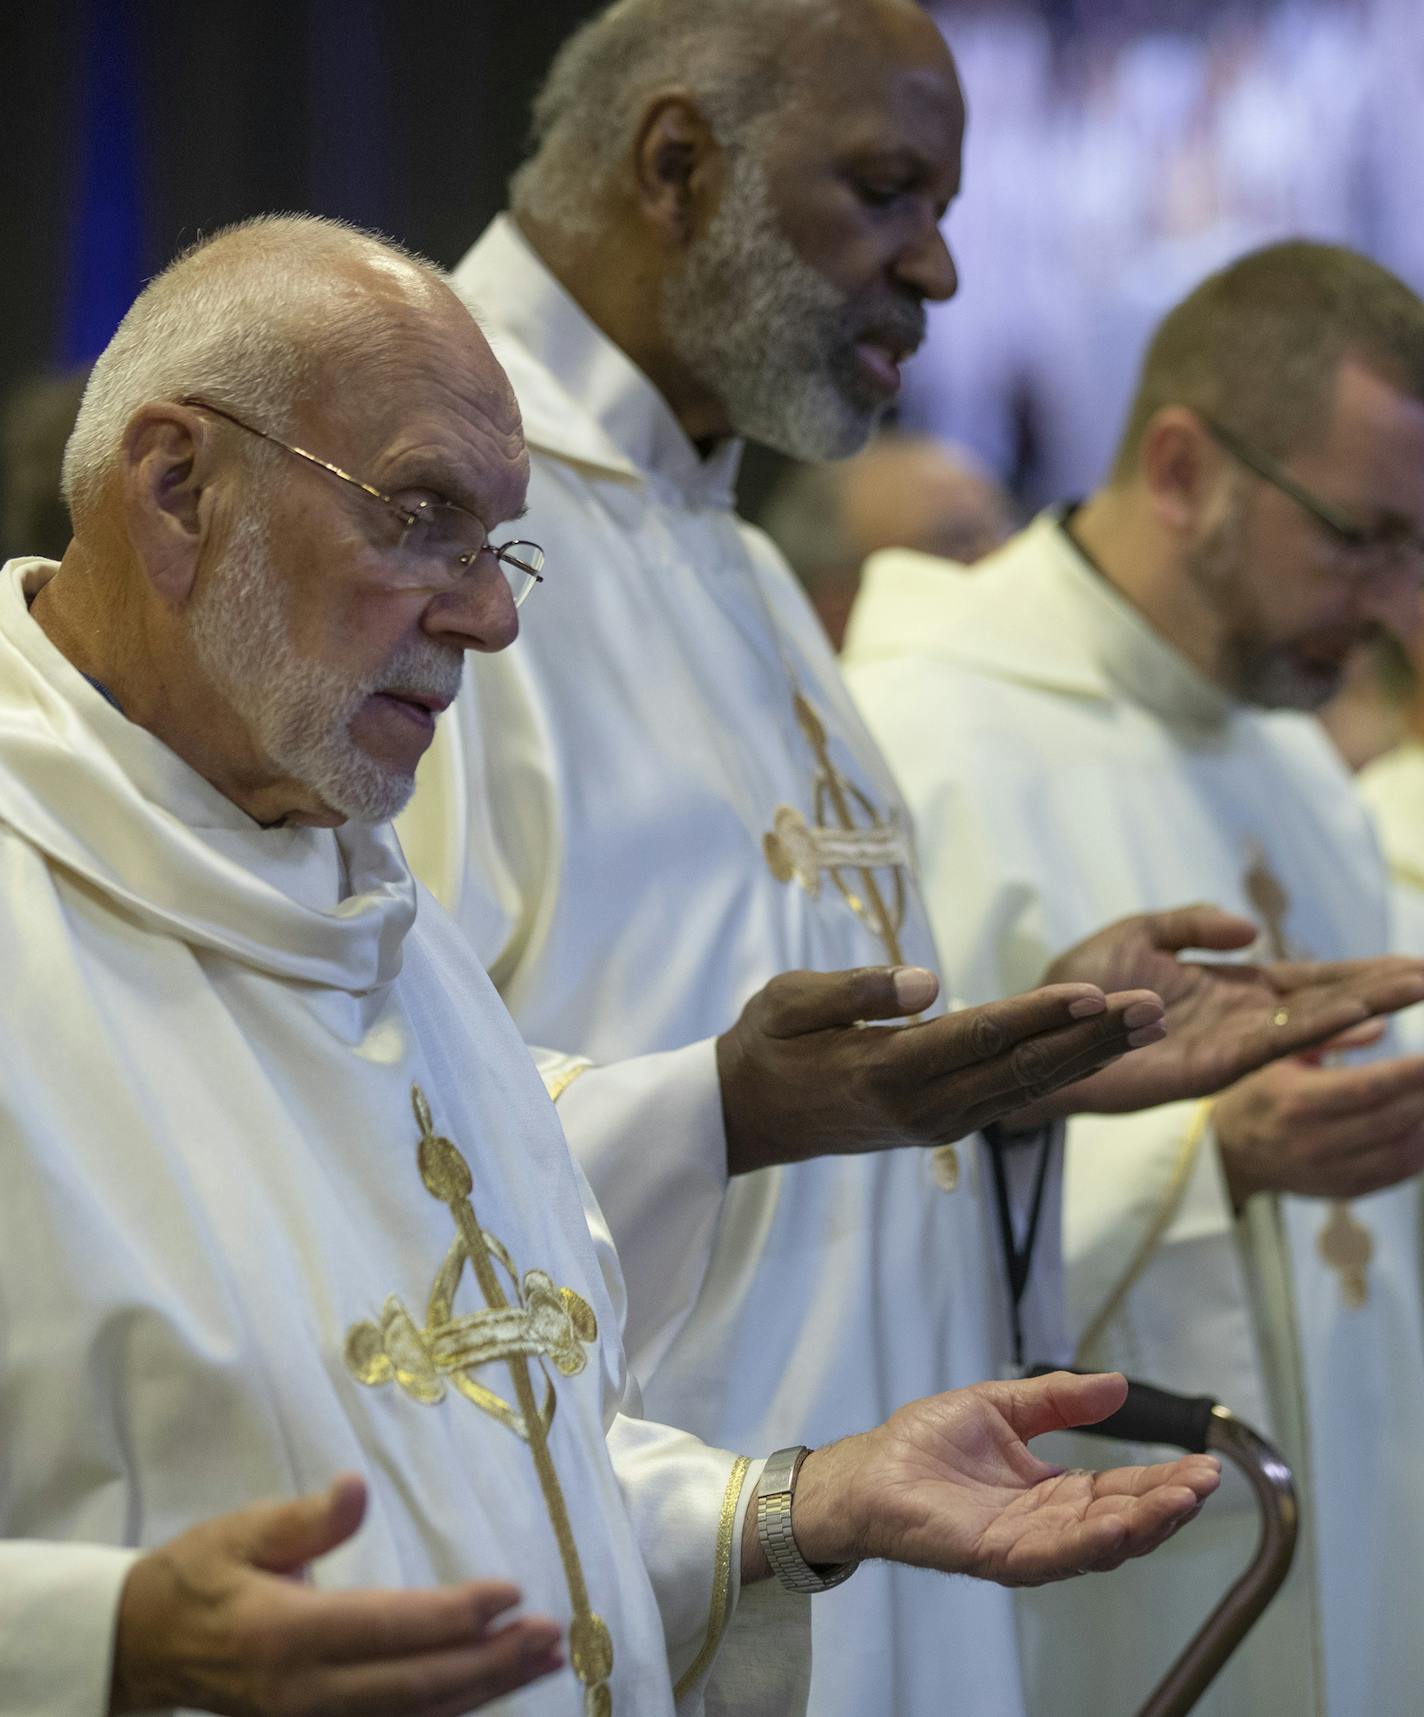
1118 711
903 491
34 426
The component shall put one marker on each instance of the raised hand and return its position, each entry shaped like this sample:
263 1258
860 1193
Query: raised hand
220 1620
948 1483
801 1076
1223 1019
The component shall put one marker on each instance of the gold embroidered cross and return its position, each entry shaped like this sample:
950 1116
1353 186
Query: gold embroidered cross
1344 1243
543 1323
839 845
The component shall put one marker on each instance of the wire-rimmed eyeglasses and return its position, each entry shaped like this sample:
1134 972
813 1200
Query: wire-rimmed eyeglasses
439 540
1394 546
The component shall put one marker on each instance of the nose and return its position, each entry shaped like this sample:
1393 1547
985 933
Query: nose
477 613
927 266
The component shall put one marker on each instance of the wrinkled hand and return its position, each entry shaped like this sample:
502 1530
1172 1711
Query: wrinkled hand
1221 1017
948 1483
802 1077
1325 1132
220 1620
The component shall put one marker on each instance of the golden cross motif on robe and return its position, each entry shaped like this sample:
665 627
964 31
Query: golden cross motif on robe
543 1323
799 851
1345 1243
839 845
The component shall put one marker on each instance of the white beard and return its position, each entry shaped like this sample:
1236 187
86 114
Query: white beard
300 711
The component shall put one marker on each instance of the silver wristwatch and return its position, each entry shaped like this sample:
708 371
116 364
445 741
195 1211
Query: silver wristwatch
778 1487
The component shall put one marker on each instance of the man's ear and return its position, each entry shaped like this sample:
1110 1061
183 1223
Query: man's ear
678 167
1182 468
166 464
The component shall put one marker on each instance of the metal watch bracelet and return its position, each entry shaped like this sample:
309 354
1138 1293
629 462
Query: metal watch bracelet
773 1522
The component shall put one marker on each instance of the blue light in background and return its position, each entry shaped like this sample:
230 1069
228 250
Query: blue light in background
105 252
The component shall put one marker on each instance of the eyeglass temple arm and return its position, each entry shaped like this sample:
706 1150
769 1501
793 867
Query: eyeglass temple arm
1270 472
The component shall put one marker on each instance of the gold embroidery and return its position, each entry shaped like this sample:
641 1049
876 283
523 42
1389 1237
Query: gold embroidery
1268 900
1347 1246
1344 1243
945 1167
838 845
543 1323
721 1578
558 1082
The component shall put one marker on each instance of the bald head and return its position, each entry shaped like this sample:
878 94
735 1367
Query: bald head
259 316
285 475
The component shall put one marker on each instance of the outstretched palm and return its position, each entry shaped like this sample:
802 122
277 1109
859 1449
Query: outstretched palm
1223 1019
951 1485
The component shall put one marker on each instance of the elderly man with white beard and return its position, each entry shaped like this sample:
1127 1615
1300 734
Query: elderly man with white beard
250 1105
730 226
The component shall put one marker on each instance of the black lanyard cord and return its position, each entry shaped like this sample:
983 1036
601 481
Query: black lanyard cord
1018 1260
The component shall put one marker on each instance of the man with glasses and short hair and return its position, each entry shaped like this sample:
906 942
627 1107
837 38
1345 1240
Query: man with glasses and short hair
1115 714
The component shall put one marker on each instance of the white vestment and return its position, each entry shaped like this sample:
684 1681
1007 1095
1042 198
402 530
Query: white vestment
283 1195
1393 788
1067 766
638 832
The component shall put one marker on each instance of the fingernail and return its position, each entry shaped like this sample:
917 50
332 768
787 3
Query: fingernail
1142 1013
1148 1034
914 987
1085 1006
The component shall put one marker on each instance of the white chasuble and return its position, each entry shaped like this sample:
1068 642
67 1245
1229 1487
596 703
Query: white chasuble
658 799
1393 788
1066 766
284 1195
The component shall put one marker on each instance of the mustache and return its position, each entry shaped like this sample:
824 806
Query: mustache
900 324
432 670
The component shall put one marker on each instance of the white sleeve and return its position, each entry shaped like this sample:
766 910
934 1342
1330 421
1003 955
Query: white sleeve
648 1134
58 1609
727 1650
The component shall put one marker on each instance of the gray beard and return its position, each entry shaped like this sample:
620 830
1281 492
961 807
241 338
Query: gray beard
300 711
767 335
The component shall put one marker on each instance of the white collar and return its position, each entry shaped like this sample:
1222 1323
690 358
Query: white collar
108 801
582 398
1037 612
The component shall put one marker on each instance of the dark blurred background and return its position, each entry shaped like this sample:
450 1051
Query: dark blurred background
1117 149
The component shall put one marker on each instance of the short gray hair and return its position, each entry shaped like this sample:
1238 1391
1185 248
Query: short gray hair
243 316
729 55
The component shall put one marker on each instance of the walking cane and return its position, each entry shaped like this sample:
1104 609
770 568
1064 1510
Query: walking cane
1199 1425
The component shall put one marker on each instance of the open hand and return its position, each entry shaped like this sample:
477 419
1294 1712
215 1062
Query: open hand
220 1620
948 1483
801 1076
1223 1019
